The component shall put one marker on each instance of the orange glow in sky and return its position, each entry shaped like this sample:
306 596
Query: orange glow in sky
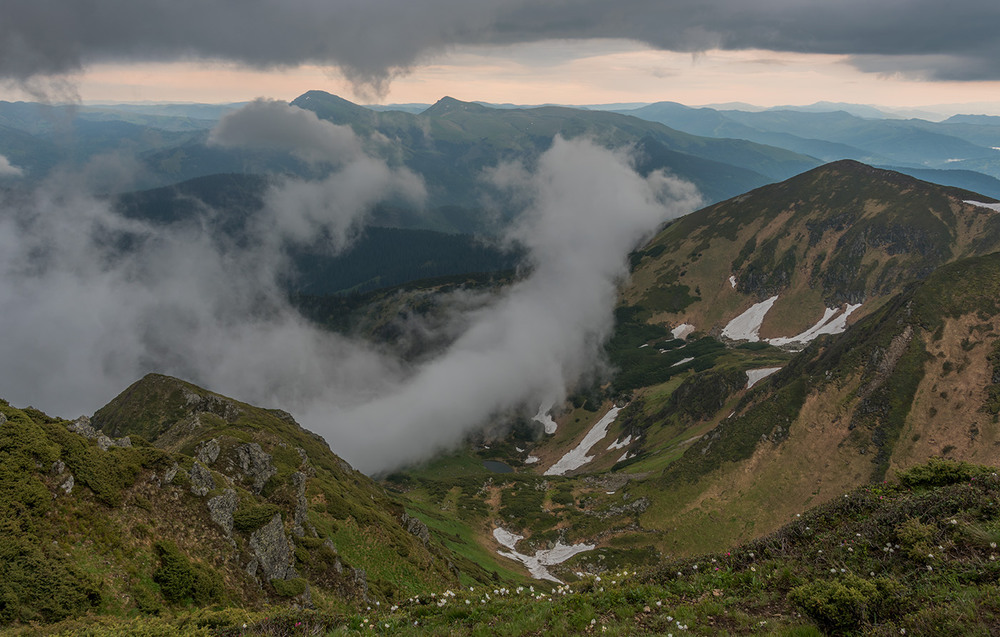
563 72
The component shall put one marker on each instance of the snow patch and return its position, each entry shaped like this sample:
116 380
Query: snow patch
621 444
644 345
746 326
831 323
682 330
536 563
547 422
732 281
577 457
754 376
626 456
991 206
531 460
683 360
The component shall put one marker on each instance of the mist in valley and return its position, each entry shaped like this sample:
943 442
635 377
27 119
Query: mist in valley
93 299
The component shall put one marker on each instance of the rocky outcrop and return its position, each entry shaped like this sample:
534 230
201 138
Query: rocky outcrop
3 419
83 427
249 462
271 551
201 479
208 451
300 519
221 509
417 528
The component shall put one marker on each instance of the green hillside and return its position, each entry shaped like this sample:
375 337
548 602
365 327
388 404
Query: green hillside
174 497
697 460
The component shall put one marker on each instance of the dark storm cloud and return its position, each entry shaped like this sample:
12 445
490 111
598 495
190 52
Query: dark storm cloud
374 39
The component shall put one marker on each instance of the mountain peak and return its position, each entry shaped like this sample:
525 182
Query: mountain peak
447 105
330 107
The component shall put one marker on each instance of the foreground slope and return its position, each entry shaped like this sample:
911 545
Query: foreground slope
914 556
181 496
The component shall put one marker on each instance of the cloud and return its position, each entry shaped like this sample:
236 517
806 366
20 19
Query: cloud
276 125
93 300
588 210
8 169
331 209
375 40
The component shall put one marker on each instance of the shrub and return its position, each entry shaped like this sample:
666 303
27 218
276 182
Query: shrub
846 603
251 518
939 472
180 580
289 587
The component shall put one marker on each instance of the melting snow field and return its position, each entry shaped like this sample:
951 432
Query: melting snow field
991 206
620 444
831 323
531 460
746 326
682 330
543 417
536 564
754 376
683 360
577 457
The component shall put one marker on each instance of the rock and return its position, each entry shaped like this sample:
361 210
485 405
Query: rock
208 451
301 516
58 467
221 509
254 464
104 443
168 475
68 484
271 550
416 527
83 427
201 479
361 579
3 419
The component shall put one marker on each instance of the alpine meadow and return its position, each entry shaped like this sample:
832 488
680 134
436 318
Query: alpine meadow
499 318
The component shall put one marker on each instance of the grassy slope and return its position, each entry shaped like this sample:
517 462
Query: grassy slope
915 556
844 232
101 547
717 463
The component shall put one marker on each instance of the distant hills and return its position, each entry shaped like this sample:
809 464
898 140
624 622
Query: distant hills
953 147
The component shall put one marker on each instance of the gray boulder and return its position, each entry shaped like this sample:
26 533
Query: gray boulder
221 509
201 479
271 551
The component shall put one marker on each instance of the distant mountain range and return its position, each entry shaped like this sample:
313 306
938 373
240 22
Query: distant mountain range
955 148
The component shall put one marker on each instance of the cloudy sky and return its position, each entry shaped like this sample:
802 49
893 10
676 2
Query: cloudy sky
769 52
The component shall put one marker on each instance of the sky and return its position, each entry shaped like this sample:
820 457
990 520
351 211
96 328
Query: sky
84 317
899 53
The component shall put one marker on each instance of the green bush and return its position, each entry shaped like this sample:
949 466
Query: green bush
848 602
939 472
289 587
254 516
179 579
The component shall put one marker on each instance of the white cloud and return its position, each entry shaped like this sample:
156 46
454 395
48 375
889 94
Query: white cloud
7 169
